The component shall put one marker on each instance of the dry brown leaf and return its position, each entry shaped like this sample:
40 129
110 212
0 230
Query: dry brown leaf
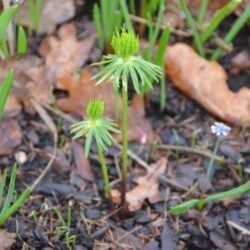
52 14
82 162
206 82
81 88
11 136
147 186
6 239
65 53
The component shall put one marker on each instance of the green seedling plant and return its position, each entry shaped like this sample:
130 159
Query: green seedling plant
122 67
5 88
200 203
220 130
64 230
99 128
9 207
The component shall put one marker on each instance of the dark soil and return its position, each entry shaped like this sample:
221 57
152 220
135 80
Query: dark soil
94 225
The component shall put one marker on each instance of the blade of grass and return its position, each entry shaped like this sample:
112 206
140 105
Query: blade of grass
199 203
218 18
203 11
125 14
5 18
98 26
12 209
191 24
4 48
159 60
2 186
21 41
239 23
4 91
10 191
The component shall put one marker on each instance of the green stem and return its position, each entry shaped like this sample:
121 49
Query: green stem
124 142
211 163
104 173
203 10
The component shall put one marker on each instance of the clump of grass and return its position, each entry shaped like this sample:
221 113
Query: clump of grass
7 208
99 128
120 67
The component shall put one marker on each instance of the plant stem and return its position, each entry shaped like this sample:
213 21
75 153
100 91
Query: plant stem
104 173
211 163
124 143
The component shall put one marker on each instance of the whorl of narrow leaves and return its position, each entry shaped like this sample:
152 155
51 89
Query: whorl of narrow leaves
125 65
96 127
125 44
95 109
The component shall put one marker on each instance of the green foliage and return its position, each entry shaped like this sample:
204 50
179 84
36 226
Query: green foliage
21 41
203 9
122 66
96 127
200 203
5 88
106 20
100 129
237 26
192 26
218 18
5 18
34 13
7 209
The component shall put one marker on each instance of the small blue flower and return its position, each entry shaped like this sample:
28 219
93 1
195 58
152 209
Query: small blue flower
219 128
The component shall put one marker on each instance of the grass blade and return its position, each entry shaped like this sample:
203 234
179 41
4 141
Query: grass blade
4 91
98 26
191 24
203 10
5 18
125 13
2 186
10 191
21 41
218 18
239 23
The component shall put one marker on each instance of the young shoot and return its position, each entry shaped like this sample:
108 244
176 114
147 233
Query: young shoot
121 67
98 128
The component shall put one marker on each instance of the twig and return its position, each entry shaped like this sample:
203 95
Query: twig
192 150
238 227
44 115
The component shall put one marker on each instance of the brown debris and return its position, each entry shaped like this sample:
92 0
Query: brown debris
206 82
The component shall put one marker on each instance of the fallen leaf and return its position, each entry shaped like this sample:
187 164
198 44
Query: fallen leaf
7 239
65 53
115 196
11 136
81 88
52 14
147 186
82 162
206 82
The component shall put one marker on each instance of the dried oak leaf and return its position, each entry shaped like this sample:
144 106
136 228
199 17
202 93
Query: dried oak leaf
52 14
10 136
147 186
7 239
81 88
206 82
65 53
